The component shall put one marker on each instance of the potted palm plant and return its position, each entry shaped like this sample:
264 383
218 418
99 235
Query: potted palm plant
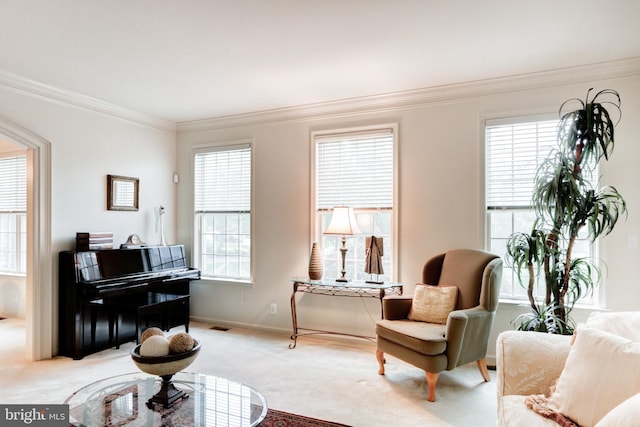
567 202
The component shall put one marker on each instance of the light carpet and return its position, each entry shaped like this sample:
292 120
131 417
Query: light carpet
325 377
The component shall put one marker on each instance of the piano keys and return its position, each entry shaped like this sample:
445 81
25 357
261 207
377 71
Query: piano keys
109 279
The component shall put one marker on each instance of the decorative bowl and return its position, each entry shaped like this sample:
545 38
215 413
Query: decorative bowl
165 367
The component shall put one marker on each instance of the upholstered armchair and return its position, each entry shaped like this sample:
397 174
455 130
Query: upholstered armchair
462 335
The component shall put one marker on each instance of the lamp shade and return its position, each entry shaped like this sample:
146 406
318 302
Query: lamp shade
343 222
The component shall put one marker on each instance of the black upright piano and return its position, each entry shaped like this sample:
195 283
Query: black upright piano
91 280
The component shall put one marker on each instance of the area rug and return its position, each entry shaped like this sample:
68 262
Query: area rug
284 419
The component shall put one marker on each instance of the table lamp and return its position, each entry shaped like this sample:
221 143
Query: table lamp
343 222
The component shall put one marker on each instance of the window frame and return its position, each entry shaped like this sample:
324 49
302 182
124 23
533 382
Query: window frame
597 298
20 218
196 234
315 231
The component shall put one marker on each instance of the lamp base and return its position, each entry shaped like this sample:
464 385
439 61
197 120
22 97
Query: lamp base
342 279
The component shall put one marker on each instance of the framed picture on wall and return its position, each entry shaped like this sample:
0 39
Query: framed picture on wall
122 193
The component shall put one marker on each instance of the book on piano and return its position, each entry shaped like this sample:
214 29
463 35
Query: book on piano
92 241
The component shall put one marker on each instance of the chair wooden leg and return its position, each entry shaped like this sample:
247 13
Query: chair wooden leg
482 365
380 357
432 380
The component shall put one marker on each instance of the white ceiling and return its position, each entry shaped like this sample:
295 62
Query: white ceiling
183 60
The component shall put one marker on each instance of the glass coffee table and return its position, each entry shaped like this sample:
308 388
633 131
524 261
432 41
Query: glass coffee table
121 401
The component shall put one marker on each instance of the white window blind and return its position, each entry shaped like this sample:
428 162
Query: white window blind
13 184
355 170
515 148
223 180
222 208
514 152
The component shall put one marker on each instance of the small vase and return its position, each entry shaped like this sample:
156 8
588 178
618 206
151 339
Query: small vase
315 263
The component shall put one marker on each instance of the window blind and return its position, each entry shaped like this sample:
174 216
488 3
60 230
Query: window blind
355 170
514 152
13 184
223 180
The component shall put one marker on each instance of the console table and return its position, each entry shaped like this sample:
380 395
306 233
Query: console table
342 289
120 401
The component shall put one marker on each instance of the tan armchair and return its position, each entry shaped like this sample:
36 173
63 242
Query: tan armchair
464 338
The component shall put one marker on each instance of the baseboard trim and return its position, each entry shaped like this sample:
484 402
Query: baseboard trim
228 324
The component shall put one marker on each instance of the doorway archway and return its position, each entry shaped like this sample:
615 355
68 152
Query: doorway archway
40 320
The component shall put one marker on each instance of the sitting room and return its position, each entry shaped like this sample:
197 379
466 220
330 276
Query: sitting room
186 166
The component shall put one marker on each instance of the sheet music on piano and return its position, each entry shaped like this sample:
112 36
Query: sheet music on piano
166 257
88 267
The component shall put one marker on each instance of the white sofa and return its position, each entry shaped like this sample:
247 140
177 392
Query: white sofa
530 363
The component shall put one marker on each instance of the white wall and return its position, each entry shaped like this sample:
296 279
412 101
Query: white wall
440 172
13 296
440 201
86 145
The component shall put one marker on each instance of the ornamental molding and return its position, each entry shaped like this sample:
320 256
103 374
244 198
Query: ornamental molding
50 93
338 108
419 97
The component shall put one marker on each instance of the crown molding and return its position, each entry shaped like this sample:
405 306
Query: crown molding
413 98
345 107
60 96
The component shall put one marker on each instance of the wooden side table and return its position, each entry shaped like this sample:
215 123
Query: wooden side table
342 289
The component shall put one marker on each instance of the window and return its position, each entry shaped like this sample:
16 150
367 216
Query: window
13 215
514 150
355 169
222 207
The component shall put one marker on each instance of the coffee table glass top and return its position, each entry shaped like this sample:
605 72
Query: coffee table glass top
121 401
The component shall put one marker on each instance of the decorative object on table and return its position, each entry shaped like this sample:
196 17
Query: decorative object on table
150 332
122 193
565 201
158 355
343 222
133 241
160 213
93 241
315 263
373 259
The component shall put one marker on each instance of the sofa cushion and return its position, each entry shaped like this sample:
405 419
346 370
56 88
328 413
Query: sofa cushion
601 371
626 414
425 338
624 324
433 304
